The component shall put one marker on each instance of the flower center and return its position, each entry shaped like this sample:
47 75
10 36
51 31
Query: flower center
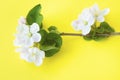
96 14
29 34
85 23
33 54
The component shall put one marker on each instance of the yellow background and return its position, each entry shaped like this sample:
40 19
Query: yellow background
77 60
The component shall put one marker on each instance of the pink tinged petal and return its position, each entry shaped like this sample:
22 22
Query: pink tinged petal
36 37
94 9
86 30
76 25
23 29
100 19
34 28
105 12
22 20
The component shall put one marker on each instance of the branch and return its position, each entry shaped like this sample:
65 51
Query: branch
76 34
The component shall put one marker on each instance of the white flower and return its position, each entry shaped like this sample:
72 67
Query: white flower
99 14
23 29
89 17
23 40
34 28
33 55
22 20
24 53
27 35
76 25
84 23
36 37
36 56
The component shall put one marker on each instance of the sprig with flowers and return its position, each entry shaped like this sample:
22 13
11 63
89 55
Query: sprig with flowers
87 23
34 43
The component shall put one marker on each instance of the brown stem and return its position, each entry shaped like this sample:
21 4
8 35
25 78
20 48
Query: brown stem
76 34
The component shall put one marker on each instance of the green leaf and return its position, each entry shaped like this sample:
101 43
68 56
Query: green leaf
52 28
107 27
89 36
104 28
57 38
41 27
52 44
99 38
51 52
44 35
34 16
48 47
53 38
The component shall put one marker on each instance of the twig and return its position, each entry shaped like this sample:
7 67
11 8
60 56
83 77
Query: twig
77 34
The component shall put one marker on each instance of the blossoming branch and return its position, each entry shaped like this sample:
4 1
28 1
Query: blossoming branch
34 43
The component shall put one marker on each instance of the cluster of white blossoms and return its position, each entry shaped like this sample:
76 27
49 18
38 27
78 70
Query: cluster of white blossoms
26 38
88 18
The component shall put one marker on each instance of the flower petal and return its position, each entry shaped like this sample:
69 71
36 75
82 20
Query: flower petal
22 20
42 53
34 28
86 30
76 25
94 9
91 21
19 40
85 14
100 19
30 58
36 56
86 17
36 37
23 41
105 12
23 29
28 42
38 61
23 52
